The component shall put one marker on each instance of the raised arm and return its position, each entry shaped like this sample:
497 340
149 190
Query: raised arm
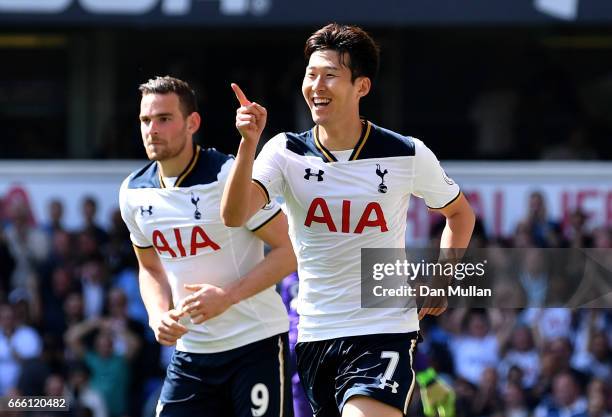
242 197
208 301
278 263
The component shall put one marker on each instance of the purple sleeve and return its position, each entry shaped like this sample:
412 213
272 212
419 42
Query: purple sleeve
289 291
421 362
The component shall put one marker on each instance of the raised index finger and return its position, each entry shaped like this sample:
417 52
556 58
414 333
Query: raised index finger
240 95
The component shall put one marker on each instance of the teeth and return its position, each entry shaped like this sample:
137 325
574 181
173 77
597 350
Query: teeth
321 101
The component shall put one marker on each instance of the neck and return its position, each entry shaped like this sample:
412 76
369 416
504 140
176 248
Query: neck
341 136
174 166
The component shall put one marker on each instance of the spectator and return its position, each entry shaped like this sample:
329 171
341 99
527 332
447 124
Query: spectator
7 266
82 394
533 276
87 246
56 214
486 400
17 343
93 283
129 334
110 373
566 400
575 231
119 252
597 393
598 362
548 323
544 231
73 309
89 210
514 404
29 246
53 297
523 354
475 347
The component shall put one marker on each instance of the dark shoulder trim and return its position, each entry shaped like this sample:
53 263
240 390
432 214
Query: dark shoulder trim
204 168
304 144
384 143
146 177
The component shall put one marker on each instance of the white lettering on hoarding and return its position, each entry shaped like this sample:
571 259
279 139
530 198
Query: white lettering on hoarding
561 9
176 7
118 6
37 6
132 7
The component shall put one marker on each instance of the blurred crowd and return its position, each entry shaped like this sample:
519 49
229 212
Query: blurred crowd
72 324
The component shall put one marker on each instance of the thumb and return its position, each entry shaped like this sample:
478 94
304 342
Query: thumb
175 314
192 287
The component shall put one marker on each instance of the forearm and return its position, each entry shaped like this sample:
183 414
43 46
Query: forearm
236 200
155 293
279 263
458 231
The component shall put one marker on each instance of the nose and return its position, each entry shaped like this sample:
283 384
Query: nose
318 83
152 128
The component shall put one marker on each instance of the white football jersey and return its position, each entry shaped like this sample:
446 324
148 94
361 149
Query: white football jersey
335 208
183 224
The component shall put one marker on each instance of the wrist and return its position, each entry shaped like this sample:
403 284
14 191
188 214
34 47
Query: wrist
248 146
155 318
232 294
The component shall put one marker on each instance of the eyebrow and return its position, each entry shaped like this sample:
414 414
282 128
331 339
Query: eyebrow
329 67
154 115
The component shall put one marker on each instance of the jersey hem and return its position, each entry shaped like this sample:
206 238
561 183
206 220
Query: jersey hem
447 204
224 345
406 327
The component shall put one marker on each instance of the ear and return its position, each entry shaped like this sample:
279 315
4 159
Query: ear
363 86
193 122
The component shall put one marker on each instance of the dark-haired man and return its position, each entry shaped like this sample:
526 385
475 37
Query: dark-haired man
207 288
346 184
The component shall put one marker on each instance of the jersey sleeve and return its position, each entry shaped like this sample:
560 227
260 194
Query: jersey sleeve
268 170
127 214
263 216
431 182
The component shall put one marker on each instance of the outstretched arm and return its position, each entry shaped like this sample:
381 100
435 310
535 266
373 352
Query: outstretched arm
242 197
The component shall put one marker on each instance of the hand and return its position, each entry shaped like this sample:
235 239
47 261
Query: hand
167 329
437 397
433 305
250 117
206 302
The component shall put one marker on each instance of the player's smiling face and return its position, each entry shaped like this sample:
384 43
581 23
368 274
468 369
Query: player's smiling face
165 130
328 89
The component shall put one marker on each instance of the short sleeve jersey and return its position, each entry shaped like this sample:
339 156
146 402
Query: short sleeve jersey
335 208
183 225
